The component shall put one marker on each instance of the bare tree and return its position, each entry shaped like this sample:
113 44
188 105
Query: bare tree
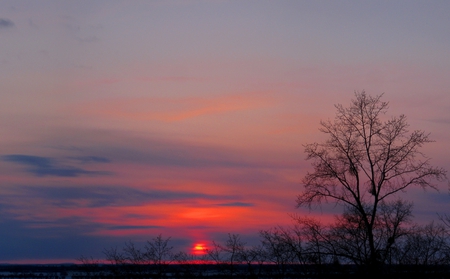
115 256
347 238
229 255
158 252
317 248
425 245
255 259
366 161
89 265
188 265
282 248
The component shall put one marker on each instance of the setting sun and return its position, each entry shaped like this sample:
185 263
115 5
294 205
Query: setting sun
199 249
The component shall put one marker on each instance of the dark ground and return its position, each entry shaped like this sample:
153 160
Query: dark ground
73 271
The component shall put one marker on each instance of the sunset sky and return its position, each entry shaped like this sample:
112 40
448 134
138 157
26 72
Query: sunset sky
122 120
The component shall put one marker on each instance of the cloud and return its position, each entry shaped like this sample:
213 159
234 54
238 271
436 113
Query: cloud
175 109
445 121
45 166
92 159
6 23
237 204
101 196
88 146
65 238
167 152
171 79
125 227
36 161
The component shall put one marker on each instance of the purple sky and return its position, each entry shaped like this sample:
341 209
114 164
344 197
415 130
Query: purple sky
121 120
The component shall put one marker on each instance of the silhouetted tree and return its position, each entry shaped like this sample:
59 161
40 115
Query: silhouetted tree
159 253
254 258
425 245
366 160
117 260
282 248
347 238
89 265
228 255
156 254
188 265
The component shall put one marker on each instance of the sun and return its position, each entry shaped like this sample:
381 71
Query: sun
199 249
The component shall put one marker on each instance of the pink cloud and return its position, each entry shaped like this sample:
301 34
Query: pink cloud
170 109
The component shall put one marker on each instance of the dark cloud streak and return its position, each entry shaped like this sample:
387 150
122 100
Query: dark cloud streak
236 204
100 196
45 166
92 159
125 227
6 23
35 161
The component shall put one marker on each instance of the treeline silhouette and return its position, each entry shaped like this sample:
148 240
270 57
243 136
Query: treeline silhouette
307 249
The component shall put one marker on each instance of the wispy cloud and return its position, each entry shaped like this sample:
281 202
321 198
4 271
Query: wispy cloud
130 227
45 166
95 82
174 110
6 23
445 121
91 159
236 204
102 196
162 152
171 79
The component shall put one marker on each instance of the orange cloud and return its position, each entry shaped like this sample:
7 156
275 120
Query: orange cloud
171 109
170 79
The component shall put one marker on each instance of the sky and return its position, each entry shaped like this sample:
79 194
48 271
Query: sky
123 120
